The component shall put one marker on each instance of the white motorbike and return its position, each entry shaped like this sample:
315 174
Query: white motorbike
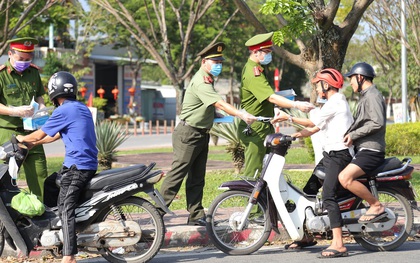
241 219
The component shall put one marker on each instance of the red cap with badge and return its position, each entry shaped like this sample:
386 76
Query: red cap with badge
23 44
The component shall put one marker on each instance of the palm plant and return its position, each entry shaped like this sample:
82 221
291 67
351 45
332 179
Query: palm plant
228 131
109 135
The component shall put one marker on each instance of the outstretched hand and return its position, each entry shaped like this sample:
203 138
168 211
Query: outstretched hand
22 111
246 117
280 116
304 106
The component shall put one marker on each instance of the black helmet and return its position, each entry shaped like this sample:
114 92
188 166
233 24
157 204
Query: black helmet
62 85
361 68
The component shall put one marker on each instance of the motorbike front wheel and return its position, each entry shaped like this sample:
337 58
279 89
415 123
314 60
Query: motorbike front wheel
223 218
392 238
151 224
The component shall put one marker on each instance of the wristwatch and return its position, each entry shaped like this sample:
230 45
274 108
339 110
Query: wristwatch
290 118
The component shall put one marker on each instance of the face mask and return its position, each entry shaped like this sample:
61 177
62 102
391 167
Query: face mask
321 100
22 65
267 59
216 69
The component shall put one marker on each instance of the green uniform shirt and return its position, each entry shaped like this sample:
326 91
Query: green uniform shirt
18 90
255 90
197 108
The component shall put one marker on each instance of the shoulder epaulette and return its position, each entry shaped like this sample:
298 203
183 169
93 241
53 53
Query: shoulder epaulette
208 80
35 66
258 70
2 67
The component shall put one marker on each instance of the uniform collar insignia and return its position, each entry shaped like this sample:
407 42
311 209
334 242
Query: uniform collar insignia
208 79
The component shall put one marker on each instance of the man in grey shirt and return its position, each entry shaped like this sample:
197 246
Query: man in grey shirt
367 134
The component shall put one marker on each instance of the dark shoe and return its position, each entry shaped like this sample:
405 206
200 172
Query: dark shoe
198 222
300 245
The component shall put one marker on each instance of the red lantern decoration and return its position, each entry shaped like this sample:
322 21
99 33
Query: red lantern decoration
101 92
132 90
115 91
83 91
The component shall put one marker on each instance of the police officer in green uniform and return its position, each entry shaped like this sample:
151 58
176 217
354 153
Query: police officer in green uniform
19 83
258 98
190 139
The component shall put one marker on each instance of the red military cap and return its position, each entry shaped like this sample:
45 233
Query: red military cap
261 41
23 44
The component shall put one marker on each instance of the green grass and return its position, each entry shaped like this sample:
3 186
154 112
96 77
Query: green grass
214 179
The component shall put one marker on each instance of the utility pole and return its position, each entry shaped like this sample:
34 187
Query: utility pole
403 64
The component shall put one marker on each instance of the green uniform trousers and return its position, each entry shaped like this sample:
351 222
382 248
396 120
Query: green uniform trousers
35 165
191 148
254 149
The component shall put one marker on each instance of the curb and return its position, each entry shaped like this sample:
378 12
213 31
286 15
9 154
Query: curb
194 236
198 236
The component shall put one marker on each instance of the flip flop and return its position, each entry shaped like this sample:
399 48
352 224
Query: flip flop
335 254
300 245
376 217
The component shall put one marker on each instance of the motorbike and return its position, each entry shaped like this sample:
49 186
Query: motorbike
110 220
241 219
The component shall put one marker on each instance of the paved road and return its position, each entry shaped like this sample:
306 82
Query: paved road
407 253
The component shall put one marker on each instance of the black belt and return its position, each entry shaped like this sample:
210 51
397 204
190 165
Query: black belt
202 130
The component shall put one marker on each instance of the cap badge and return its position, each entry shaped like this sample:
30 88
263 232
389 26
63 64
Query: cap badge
27 43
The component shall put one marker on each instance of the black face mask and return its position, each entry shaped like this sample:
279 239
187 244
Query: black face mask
324 91
55 102
360 83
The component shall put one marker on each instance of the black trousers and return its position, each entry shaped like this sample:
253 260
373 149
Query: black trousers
334 162
72 183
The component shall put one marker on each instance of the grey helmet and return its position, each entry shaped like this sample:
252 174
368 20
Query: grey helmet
361 68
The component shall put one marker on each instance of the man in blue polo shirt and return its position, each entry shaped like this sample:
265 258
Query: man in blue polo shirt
72 121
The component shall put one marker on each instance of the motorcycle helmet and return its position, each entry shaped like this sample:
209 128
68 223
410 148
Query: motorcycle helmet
62 85
361 68
331 76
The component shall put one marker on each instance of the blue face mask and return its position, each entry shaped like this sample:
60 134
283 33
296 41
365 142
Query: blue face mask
216 69
267 59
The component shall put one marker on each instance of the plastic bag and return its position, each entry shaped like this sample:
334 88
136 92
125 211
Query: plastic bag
27 204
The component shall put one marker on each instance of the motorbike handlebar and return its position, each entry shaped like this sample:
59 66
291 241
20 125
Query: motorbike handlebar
263 119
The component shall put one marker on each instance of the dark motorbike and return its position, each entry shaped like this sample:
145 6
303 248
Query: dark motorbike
241 219
110 220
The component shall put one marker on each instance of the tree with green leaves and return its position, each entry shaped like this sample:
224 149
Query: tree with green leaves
171 32
320 31
384 21
18 18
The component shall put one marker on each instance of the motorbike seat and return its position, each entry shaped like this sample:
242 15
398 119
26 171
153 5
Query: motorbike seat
319 171
390 163
109 177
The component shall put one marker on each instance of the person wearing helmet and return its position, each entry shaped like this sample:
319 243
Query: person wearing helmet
72 121
367 134
334 119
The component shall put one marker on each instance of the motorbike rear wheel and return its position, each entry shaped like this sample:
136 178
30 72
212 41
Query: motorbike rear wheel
222 220
1 238
151 224
392 238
